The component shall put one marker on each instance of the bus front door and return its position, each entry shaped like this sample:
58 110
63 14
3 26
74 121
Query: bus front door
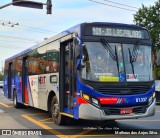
66 78
24 80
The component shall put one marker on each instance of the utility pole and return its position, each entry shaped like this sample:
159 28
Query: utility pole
30 4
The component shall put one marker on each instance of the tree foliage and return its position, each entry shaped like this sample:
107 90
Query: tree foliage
149 17
1 77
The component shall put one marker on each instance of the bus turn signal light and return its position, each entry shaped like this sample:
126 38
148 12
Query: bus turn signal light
85 96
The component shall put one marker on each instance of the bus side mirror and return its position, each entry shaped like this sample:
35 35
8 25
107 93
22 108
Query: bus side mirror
80 64
77 44
77 52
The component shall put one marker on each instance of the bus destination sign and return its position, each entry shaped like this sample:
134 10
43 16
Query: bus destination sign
117 32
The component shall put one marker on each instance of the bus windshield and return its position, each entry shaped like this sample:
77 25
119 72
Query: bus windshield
99 64
142 64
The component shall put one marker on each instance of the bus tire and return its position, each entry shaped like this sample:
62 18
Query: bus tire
16 104
55 112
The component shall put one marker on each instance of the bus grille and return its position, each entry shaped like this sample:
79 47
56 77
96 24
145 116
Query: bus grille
124 90
116 111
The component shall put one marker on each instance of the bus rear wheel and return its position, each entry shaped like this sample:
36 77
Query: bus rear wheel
55 112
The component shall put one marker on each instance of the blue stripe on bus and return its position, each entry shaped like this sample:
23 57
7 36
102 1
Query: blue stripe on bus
66 110
18 83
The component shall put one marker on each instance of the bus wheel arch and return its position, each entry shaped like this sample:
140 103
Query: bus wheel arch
57 117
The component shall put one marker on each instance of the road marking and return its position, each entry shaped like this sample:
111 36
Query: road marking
51 130
5 105
36 114
45 119
48 122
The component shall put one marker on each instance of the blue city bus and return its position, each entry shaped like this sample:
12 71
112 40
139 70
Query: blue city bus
92 71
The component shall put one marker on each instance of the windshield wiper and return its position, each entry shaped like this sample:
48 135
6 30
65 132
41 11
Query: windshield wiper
131 61
113 54
108 47
133 56
135 51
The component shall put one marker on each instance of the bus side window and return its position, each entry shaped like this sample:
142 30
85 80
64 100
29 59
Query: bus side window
53 57
32 63
41 60
19 66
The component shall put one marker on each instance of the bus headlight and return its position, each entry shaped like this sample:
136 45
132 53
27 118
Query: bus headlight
90 99
151 98
95 102
154 94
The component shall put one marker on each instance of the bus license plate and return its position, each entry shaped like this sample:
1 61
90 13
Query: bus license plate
126 111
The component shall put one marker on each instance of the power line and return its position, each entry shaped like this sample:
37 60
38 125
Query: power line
19 38
121 4
29 28
37 29
18 27
112 5
23 41
23 28
12 47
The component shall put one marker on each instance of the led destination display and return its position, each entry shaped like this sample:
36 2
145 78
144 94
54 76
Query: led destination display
118 32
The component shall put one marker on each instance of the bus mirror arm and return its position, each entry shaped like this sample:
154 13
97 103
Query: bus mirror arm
77 44
77 52
80 64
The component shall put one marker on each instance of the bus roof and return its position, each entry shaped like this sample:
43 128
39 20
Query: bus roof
69 31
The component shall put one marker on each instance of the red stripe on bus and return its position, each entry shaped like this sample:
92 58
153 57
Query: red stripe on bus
108 100
80 100
26 95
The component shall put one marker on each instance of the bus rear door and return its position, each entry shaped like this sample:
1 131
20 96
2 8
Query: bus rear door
9 80
24 80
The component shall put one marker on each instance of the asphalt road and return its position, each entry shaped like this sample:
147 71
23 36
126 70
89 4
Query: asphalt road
31 121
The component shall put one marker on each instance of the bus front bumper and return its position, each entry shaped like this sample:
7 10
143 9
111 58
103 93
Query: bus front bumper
90 112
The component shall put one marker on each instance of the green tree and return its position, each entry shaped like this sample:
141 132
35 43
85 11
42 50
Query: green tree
1 77
149 17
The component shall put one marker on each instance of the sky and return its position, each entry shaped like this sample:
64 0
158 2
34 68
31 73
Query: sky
34 24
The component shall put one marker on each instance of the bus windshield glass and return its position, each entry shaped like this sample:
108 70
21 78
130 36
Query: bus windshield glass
100 64
140 69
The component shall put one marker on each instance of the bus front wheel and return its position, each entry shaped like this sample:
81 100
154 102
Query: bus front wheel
55 112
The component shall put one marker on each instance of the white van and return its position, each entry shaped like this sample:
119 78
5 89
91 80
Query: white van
1 84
